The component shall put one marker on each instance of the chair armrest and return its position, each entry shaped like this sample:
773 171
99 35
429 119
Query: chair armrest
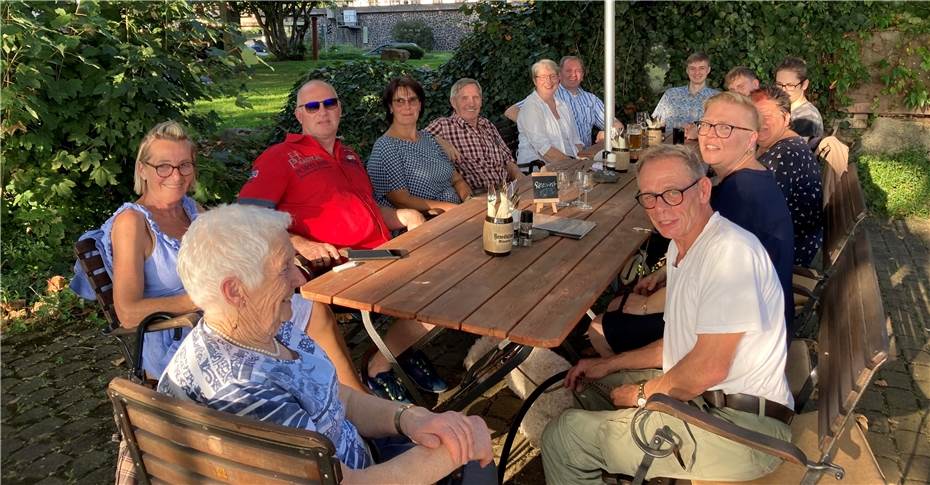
710 423
806 272
802 290
157 321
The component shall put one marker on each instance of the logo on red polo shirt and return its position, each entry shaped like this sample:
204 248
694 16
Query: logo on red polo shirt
304 165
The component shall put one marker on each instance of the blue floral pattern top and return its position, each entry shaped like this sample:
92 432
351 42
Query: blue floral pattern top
679 107
300 393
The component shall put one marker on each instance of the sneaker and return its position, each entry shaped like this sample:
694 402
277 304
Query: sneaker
386 385
422 372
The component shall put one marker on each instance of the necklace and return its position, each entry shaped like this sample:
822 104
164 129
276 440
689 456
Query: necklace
275 354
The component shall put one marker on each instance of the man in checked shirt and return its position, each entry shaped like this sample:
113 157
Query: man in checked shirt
477 148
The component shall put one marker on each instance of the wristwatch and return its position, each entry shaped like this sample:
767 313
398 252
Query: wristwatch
641 395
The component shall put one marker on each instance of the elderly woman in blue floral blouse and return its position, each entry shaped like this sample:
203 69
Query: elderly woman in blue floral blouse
251 356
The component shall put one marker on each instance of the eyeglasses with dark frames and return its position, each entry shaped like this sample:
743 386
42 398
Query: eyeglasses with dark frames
328 103
671 197
411 101
723 130
789 85
164 170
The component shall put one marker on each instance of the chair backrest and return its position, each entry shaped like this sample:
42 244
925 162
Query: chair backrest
510 134
91 262
853 339
843 212
175 441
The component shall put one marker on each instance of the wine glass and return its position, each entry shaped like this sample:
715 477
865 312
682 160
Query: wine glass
584 181
565 188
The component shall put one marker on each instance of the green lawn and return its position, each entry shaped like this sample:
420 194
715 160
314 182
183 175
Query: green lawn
268 88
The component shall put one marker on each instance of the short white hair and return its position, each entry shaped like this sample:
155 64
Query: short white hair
229 241
534 69
461 83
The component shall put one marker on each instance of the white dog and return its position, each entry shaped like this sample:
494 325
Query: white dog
539 366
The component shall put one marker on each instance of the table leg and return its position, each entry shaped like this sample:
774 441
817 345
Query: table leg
490 369
386 352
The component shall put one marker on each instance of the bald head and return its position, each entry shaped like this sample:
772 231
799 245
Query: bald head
319 120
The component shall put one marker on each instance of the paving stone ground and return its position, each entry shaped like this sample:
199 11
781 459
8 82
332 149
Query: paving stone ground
56 422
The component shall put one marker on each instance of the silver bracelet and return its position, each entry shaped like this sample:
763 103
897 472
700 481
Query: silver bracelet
397 414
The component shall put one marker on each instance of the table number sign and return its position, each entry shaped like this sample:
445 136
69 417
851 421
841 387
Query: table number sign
545 190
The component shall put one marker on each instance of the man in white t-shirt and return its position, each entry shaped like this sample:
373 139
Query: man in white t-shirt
723 347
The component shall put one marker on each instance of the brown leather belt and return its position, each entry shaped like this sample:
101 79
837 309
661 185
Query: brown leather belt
748 404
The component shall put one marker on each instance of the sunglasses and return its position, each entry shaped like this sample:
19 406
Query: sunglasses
329 103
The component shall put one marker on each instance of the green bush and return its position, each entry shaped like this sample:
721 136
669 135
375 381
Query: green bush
83 82
897 185
416 31
359 86
416 52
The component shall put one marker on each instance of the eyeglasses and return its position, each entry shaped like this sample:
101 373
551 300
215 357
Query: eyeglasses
671 197
722 130
413 100
328 103
551 77
165 170
789 85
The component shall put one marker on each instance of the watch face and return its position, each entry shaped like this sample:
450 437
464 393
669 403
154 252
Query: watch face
641 402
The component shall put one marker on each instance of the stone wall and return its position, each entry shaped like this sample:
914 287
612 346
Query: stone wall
448 23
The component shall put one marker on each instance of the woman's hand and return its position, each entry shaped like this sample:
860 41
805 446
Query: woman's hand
587 369
466 438
650 283
636 304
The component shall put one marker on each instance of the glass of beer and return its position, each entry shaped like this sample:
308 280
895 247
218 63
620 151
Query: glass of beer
635 134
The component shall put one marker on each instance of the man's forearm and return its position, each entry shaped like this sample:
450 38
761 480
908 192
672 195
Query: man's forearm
648 357
417 465
372 416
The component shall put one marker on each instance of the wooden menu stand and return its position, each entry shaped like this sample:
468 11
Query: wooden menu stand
545 190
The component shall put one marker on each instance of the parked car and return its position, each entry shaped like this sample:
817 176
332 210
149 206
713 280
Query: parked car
257 45
416 52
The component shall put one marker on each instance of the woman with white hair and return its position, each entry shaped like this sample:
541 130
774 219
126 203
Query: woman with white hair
251 356
139 244
547 128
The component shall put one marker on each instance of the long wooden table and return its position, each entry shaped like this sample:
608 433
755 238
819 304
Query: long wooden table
533 297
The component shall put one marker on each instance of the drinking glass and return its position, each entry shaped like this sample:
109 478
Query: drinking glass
585 182
565 188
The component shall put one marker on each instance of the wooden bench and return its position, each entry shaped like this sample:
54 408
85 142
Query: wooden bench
175 441
843 212
852 345
130 339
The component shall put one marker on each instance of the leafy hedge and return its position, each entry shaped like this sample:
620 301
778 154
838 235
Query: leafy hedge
82 83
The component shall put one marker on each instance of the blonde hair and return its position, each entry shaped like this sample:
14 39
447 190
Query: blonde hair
166 130
231 240
739 100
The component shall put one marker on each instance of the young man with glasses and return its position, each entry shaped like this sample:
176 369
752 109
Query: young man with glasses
682 105
323 185
791 76
723 348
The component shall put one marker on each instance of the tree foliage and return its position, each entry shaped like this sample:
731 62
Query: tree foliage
416 31
82 83
284 24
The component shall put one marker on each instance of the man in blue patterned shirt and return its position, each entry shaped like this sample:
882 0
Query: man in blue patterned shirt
681 106
587 108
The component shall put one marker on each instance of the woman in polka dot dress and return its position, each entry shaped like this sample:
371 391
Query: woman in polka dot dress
796 171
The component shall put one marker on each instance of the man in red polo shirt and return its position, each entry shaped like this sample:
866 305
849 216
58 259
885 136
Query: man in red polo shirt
325 187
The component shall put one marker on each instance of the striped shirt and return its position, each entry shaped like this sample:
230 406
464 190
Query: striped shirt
484 155
587 110
301 393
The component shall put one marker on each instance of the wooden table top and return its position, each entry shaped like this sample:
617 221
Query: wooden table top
534 296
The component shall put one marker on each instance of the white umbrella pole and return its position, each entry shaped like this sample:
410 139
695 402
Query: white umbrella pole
609 84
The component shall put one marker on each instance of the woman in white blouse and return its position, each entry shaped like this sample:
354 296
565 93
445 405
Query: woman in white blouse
547 129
